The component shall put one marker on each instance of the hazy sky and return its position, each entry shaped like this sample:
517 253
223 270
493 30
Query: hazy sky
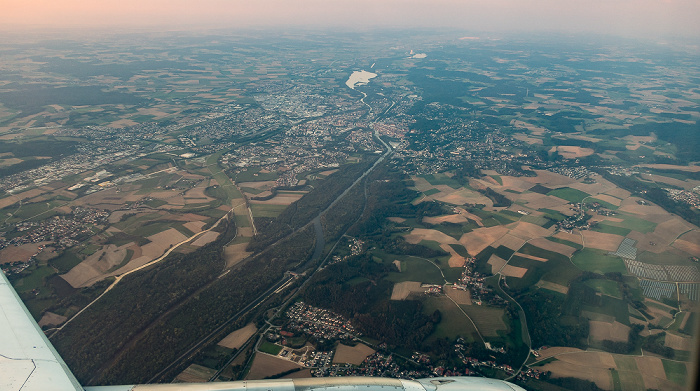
625 17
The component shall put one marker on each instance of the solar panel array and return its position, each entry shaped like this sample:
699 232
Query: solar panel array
626 249
644 270
657 289
690 290
663 273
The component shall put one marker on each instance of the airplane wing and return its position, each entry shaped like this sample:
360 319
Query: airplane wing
28 362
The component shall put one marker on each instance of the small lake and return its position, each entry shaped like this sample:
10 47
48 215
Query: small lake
359 78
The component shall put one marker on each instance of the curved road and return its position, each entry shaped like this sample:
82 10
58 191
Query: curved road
153 262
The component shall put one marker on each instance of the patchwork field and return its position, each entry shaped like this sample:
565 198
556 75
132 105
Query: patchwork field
417 235
593 366
488 320
477 240
265 365
354 355
195 374
459 296
237 338
404 289
609 331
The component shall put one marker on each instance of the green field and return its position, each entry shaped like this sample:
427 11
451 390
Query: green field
558 269
414 269
461 250
632 223
253 174
252 190
153 228
270 348
598 261
610 229
537 220
454 230
566 242
569 194
676 372
606 287
135 221
65 261
431 192
224 181
630 378
604 204
489 320
552 214
617 384
267 210
34 278
454 323
611 307
441 179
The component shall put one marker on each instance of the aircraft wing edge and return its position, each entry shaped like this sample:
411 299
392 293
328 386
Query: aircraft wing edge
28 361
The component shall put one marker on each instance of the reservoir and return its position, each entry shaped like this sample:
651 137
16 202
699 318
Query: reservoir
359 78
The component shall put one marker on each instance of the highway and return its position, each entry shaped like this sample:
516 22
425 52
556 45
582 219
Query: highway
319 245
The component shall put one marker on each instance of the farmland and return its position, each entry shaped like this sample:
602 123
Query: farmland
485 204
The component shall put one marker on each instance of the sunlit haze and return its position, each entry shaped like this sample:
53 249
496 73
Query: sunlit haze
619 17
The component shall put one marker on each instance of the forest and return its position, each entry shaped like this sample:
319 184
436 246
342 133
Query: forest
301 212
202 313
114 319
357 289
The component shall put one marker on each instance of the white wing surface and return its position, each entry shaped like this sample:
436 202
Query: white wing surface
28 362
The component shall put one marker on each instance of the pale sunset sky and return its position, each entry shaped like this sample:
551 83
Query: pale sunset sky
652 18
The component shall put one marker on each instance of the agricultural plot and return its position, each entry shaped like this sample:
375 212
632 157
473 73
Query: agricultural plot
611 308
652 371
419 234
602 241
195 374
354 355
549 179
593 366
237 338
458 295
415 269
403 290
477 240
678 342
488 320
629 373
633 223
549 245
676 372
266 210
615 331
569 194
606 287
597 261
265 365
453 324
553 287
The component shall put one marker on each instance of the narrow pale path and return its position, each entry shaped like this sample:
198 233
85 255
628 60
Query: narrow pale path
153 262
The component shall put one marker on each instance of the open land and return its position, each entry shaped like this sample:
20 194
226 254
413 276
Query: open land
352 354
